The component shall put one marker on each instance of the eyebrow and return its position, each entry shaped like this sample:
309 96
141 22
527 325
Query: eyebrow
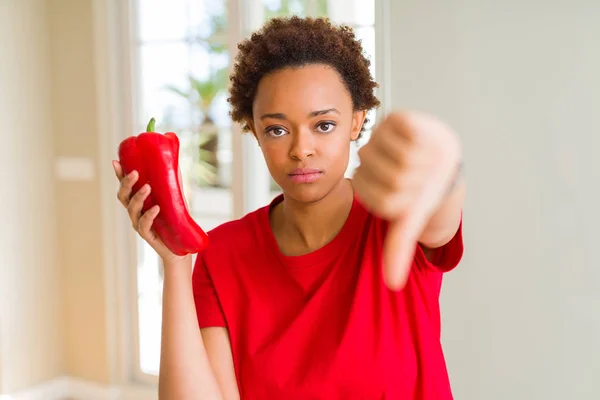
312 114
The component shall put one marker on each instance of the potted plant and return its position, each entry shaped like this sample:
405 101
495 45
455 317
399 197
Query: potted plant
201 95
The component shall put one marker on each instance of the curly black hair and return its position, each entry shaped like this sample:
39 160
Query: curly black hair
296 42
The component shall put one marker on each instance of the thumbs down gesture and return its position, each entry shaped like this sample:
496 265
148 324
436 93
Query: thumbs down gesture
407 171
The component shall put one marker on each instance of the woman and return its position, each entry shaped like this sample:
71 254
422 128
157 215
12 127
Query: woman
331 291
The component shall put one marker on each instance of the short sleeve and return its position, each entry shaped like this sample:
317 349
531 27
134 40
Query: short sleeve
208 307
447 257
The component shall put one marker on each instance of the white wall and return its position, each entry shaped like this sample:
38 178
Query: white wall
521 83
30 318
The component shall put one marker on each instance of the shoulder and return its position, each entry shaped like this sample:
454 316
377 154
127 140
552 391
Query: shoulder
233 235
243 236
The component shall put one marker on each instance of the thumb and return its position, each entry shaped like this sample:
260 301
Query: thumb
399 248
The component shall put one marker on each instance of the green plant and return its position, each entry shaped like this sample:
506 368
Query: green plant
202 92
302 8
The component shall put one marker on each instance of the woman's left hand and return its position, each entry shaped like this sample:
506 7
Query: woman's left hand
406 169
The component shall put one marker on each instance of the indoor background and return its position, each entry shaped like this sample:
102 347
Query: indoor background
518 80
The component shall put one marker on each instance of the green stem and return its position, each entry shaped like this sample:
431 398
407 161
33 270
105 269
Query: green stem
151 124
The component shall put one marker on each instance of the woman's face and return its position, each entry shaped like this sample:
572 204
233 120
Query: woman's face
304 122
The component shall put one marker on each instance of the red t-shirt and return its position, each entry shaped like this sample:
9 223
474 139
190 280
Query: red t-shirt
324 325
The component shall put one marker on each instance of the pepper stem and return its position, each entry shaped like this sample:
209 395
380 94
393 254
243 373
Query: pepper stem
151 124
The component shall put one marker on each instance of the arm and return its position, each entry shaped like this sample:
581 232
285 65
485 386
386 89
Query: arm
187 357
218 347
444 223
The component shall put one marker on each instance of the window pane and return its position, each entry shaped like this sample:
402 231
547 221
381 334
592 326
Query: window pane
149 284
182 82
162 20
163 65
301 8
364 12
367 37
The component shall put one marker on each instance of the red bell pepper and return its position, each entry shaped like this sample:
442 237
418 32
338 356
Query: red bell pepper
155 156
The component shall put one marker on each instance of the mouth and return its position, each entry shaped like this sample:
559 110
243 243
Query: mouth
305 175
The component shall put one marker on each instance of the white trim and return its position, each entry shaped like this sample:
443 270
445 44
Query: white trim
51 390
256 179
134 252
79 389
110 91
383 51
235 29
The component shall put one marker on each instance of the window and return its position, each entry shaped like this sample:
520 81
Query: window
182 63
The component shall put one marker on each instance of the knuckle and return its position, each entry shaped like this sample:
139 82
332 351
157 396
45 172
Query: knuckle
387 206
135 196
401 161
393 119
398 182
144 227
132 211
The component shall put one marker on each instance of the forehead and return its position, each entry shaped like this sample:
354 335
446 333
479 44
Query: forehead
305 88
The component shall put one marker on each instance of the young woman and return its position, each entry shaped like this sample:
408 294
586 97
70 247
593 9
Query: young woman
331 291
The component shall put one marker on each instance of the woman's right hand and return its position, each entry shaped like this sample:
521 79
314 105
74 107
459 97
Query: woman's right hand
142 223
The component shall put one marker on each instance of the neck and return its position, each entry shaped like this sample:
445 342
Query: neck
304 227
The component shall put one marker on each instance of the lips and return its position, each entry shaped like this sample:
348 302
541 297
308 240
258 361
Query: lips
305 175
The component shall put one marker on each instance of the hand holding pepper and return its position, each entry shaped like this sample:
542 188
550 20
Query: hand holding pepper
141 221
151 158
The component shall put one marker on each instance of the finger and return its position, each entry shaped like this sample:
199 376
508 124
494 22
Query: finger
136 204
127 183
399 248
400 125
390 145
386 172
118 169
361 189
145 224
378 197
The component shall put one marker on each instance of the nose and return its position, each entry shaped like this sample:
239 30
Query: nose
303 144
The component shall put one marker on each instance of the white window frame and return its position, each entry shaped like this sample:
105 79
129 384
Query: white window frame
115 65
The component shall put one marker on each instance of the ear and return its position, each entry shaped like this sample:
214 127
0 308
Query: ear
358 119
250 124
252 129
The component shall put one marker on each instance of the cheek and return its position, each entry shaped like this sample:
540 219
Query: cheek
274 153
338 148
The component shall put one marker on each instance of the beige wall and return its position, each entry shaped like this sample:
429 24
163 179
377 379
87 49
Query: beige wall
52 292
78 203
31 328
521 83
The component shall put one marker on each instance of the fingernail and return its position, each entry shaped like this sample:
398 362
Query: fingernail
133 174
146 188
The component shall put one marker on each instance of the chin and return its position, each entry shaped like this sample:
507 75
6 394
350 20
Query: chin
306 193
310 192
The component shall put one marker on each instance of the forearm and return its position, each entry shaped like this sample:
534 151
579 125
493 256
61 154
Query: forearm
185 371
444 223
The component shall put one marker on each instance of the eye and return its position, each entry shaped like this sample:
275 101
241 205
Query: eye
276 131
325 127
